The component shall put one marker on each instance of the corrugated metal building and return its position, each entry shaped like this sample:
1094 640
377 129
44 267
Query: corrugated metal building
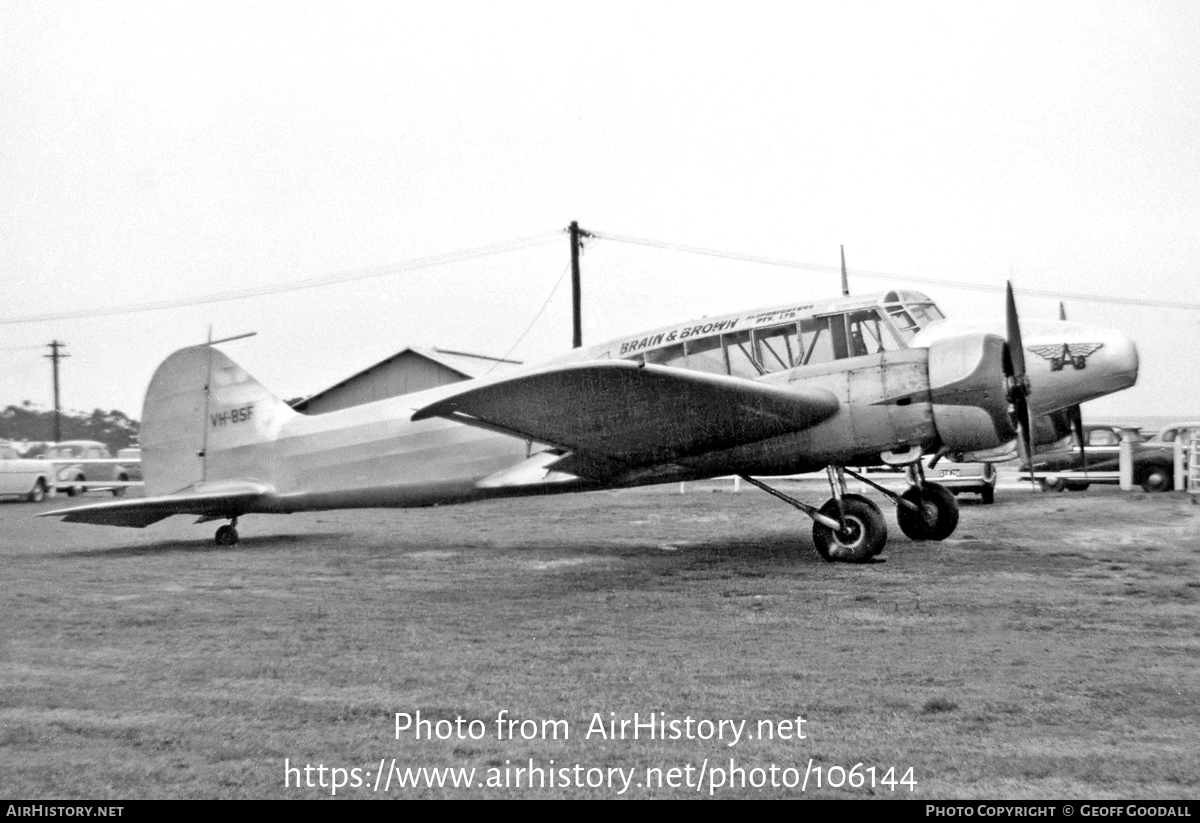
410 370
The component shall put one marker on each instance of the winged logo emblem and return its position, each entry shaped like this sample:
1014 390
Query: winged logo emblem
1074 353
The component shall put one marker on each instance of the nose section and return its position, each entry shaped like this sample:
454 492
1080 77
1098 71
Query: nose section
1069 363
1121 362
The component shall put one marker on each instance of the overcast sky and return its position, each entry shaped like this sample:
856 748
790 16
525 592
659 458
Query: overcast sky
156 152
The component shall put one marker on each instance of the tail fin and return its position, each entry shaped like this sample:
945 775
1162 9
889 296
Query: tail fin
206 420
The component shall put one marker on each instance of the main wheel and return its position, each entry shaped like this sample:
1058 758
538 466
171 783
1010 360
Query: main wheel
227 536
76 487
863 538
38 493
938 515
119 491
1157 479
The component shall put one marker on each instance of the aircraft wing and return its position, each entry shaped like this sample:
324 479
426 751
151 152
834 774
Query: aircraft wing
214 501
614 416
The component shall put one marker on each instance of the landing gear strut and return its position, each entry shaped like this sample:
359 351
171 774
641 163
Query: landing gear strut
849 528
227 535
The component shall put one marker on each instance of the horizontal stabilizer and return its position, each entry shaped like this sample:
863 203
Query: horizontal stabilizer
215 500
617 415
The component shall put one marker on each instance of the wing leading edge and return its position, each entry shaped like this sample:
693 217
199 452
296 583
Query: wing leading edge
214 501
617 415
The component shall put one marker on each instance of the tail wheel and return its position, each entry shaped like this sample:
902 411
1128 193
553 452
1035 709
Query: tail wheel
938 515
862 538
119 491
227 536
76 489
38 493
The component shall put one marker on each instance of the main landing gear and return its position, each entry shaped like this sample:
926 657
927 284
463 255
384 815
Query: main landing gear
850 528
227 535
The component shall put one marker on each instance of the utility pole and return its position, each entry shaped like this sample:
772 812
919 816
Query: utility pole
576 298
55 355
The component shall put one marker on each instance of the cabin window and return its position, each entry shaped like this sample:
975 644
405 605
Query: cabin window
706 355
741 359
817 341
869 334
668 356
778 348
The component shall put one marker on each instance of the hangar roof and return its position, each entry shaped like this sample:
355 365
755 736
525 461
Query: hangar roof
466 364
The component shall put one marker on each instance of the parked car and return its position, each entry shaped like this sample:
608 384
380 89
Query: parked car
133 468
95 465
1176 431
1153 460
971 478
27 477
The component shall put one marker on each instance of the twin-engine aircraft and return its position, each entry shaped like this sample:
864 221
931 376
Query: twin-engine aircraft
833 384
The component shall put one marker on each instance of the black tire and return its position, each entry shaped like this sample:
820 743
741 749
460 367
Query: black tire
988 495
227 536
38 493
1052 484
75 489
119 491
938 517
866 531
1077 486
1157 479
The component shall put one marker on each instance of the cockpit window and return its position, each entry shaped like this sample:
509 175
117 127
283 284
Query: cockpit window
910 318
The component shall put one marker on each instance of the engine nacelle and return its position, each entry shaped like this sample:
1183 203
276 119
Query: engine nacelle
968 391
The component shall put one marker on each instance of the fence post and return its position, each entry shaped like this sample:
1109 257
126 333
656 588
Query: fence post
1126 466
1180 477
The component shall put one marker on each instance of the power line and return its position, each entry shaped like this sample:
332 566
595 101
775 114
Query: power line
308 283
553 291
881 275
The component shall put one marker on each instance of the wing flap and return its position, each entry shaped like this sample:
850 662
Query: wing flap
618 415
216 501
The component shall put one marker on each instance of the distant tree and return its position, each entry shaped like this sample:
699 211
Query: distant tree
113 428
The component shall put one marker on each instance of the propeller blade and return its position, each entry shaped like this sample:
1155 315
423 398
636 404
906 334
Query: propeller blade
1018 393
1016 349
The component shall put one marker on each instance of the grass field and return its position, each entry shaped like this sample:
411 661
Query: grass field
1049 649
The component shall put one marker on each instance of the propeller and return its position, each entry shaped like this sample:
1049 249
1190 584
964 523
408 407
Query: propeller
1075 413
1018 389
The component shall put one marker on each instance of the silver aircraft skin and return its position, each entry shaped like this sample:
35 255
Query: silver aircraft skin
829 384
